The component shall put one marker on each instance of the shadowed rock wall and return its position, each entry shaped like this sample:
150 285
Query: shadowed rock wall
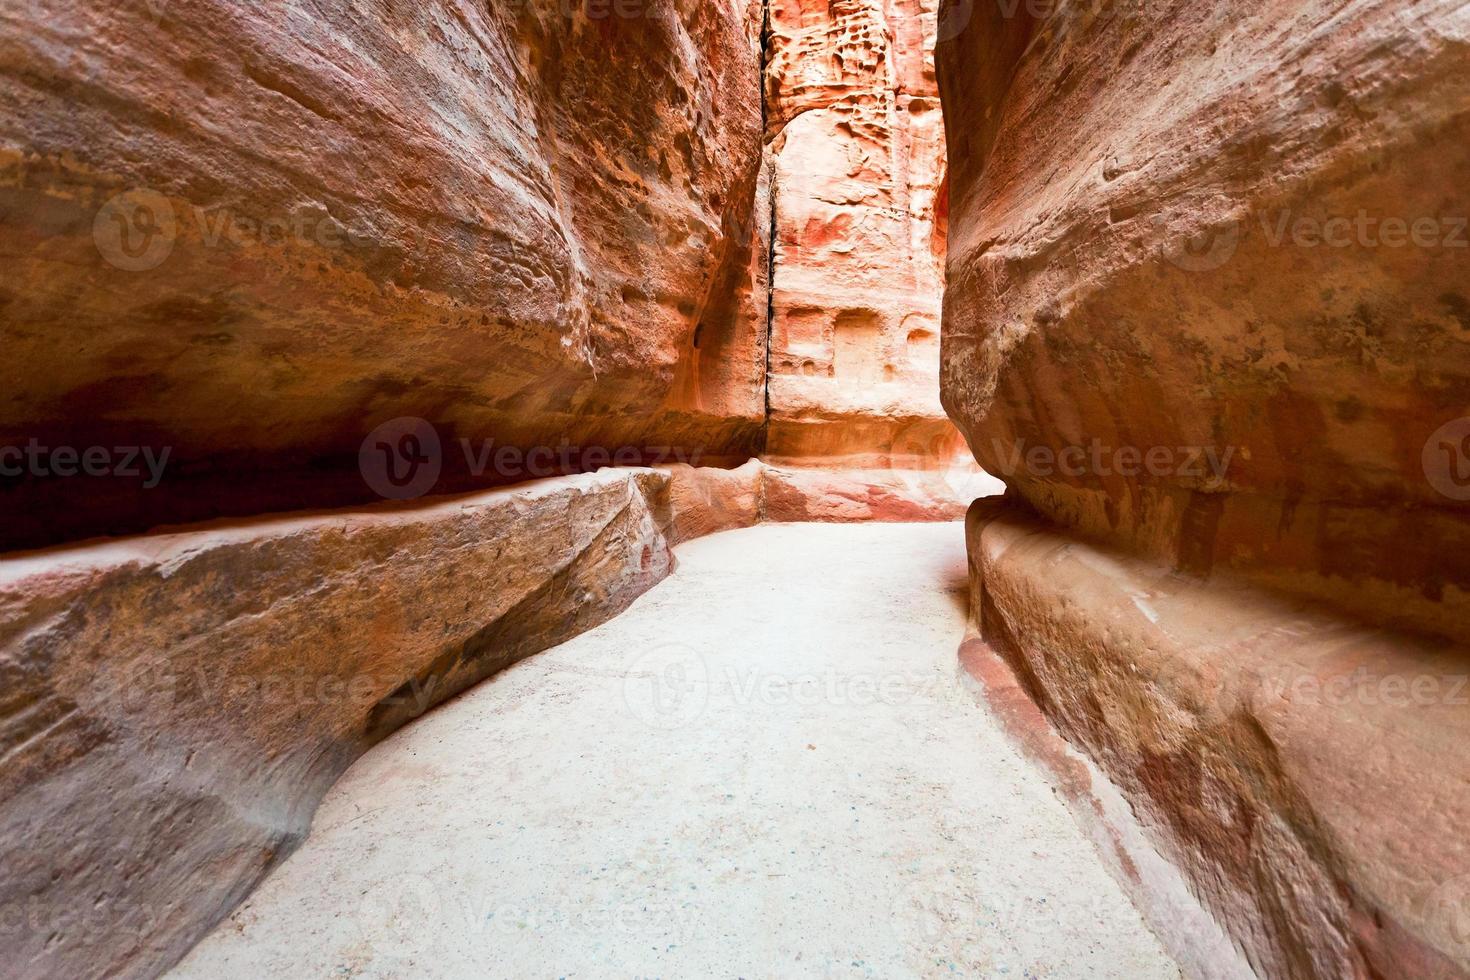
249 234
1233 236
1206 316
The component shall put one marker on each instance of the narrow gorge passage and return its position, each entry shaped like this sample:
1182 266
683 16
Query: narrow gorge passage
436 396
768 766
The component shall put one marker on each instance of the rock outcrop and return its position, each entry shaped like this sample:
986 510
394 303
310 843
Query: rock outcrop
248 235
706 500
176 705
1306 771
858 183
1206 316
1207 285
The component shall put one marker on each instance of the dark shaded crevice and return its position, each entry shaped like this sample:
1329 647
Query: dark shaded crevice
770 204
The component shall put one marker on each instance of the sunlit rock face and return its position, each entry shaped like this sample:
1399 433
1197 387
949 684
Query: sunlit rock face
1206 315
857 152
526 222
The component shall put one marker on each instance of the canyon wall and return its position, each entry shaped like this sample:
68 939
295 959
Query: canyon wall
858 185
268 258
269 264
1207 317
176 705
248 235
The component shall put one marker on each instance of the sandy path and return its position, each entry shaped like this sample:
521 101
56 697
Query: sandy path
767 767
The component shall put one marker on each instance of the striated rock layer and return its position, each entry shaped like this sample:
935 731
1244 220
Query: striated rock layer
176 705
1207 316
1209 285
1306 772
528 222
858 172
706 500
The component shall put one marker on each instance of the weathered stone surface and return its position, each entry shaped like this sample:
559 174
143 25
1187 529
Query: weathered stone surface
858 156
705 500
797 494
527 221
1155 243
1307 773
1205 310
1156 886
175 705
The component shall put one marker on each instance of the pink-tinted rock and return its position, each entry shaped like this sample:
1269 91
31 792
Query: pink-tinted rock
858 158
796 494
705 500
1306 772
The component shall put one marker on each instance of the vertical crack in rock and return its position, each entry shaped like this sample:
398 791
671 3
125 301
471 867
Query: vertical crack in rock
769 173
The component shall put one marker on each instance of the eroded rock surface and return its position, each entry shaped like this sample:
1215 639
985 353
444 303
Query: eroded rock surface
527 222
1308 773
1235 227
705 500
857 153
1206 311
176 705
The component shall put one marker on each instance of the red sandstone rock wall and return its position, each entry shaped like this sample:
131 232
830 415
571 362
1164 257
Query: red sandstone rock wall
858 160
1237 228
174 706
251 233
1208 274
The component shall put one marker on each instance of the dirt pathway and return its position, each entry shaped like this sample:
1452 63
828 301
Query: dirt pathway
767 767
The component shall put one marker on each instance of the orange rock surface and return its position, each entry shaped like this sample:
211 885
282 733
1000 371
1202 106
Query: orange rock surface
1207 316
252 235
857 153
1209 285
